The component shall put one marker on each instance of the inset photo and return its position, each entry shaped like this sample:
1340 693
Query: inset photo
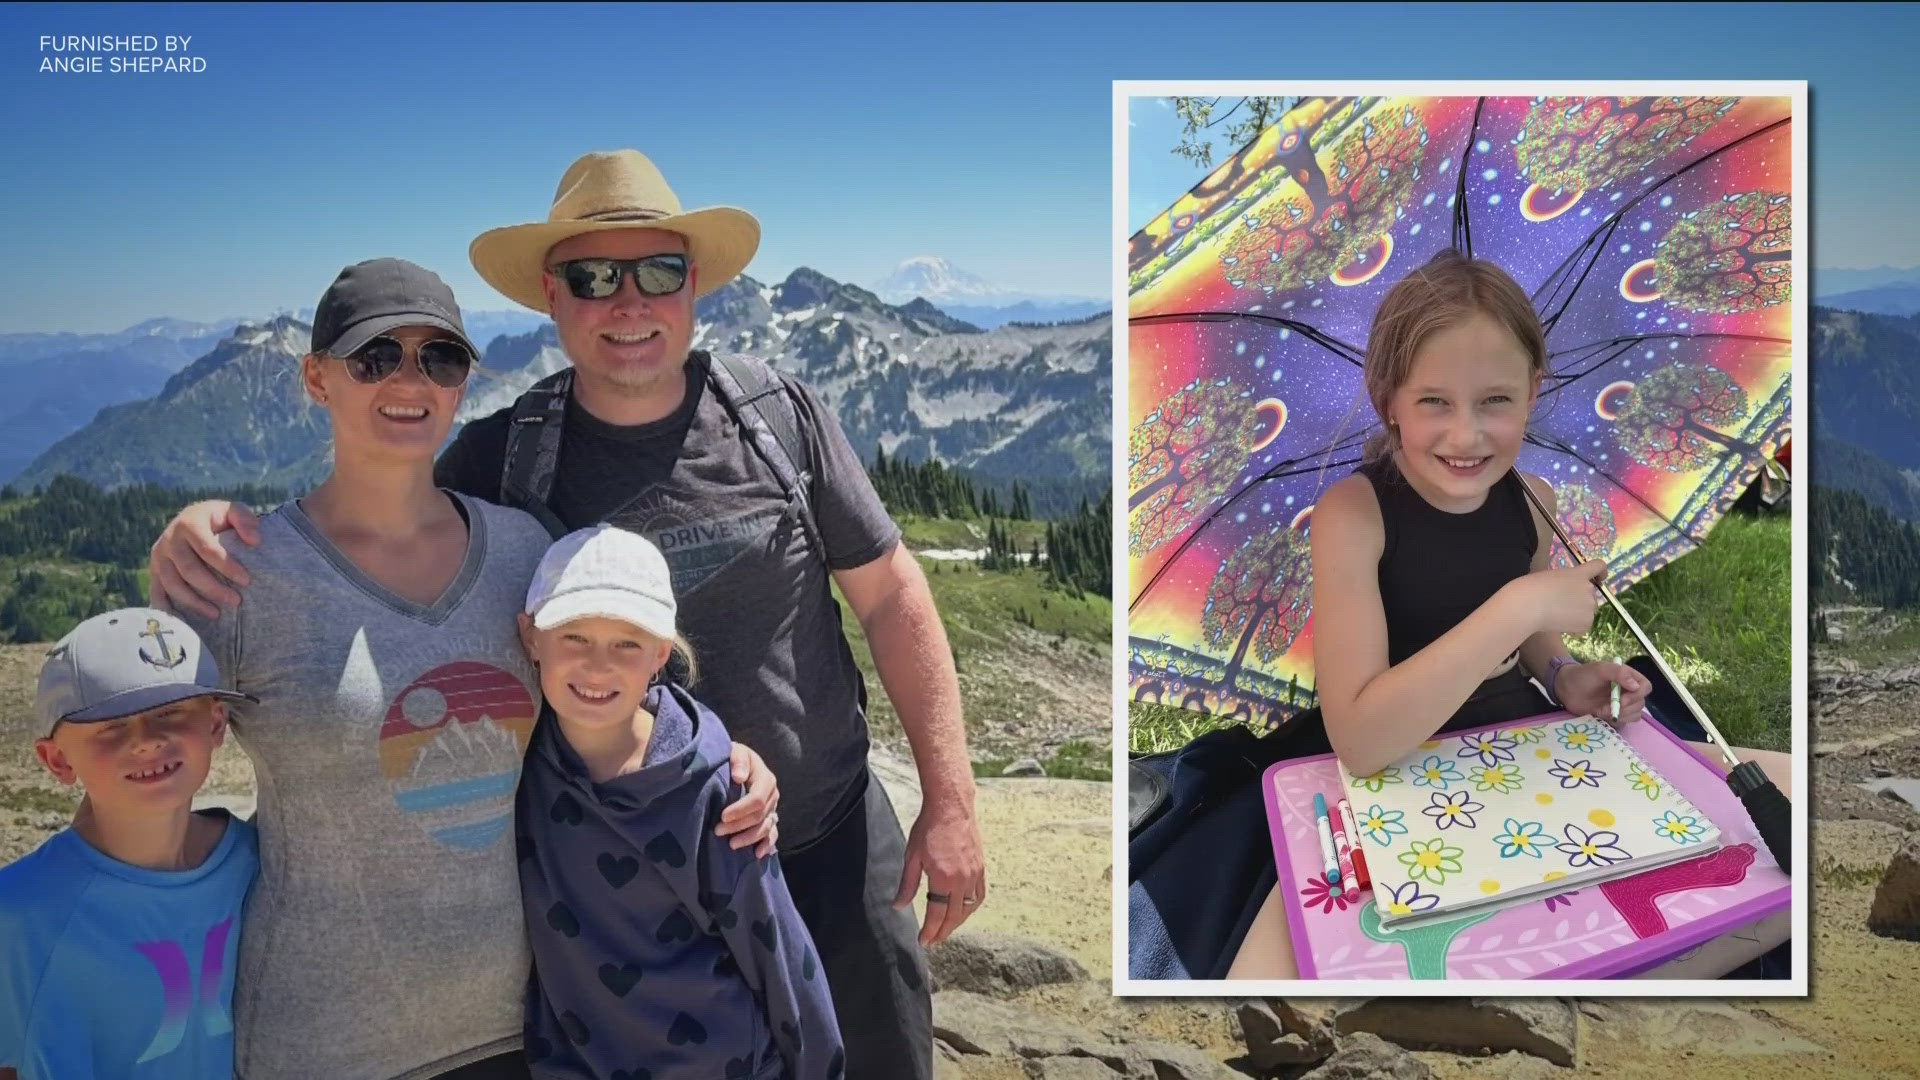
1460 607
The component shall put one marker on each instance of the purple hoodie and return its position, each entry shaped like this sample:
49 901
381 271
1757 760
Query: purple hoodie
659 952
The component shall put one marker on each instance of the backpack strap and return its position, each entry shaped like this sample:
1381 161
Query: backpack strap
762 402
533 448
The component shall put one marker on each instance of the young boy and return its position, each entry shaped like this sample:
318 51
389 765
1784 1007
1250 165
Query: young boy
658 949
118 935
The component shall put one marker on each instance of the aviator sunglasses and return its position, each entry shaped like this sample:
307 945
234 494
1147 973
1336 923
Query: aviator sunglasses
445 363
597 279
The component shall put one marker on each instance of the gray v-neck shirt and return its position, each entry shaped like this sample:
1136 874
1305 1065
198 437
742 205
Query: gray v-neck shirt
384 936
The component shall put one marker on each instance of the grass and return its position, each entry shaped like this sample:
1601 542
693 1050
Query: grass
1008 630
1901 643
951 533
1721 615
1840 876
1076 760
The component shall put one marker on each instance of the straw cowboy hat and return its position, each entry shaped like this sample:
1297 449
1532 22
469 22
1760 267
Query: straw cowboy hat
619 189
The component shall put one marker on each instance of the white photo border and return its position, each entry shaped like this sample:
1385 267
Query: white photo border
1125 985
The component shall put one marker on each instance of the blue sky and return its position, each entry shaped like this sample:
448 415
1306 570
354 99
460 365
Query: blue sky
860 137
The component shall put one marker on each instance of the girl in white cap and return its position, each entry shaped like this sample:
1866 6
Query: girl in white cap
654 941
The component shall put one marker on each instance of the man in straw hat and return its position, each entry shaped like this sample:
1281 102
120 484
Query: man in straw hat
748 485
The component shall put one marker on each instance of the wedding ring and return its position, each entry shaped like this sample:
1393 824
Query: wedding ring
968 901
938 898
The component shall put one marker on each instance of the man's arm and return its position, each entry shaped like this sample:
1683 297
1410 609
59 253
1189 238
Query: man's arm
895 607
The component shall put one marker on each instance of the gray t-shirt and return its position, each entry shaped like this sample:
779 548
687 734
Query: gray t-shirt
754 599
384 936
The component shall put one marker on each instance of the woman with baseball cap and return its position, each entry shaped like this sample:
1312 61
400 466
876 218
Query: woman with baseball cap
377 629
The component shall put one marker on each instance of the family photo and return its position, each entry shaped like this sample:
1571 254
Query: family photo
510 638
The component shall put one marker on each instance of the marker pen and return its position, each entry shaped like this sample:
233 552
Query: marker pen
1327 858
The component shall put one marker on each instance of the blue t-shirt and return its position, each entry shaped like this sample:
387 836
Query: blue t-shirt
113 970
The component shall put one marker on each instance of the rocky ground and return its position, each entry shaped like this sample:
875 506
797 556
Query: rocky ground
1023 992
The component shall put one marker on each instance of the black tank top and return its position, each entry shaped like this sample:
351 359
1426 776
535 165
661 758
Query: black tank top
1436 568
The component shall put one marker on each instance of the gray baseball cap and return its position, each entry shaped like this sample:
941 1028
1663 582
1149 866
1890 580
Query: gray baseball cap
123 662
370 298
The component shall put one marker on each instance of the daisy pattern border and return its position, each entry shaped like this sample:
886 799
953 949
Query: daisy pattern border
1575 774
1447 770
1504 779
1451 809
1392 824
1489 747
1443 852
1689 832
1377 782
1583 736
1605 845
1520 840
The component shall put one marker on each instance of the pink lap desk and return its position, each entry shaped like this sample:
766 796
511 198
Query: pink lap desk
1615 929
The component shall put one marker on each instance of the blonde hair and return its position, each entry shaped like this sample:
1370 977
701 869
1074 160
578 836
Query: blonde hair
1445 291
683 648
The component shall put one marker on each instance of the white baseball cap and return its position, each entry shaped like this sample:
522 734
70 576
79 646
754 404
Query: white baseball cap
603 571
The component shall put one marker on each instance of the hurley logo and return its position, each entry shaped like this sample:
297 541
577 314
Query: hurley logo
186 1003
170 655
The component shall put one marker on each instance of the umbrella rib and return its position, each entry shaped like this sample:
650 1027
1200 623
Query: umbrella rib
1619 215
1274 473
1462 228
1630 341
1325 340
1547 443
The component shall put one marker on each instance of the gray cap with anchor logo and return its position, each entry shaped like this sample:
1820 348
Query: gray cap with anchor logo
123 662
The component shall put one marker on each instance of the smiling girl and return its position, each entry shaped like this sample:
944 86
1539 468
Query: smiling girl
1434 595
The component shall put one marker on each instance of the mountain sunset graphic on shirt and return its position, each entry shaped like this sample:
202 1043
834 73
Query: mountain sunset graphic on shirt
451 745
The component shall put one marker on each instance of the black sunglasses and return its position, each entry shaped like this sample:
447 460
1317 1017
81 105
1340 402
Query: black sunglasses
445 363
597 279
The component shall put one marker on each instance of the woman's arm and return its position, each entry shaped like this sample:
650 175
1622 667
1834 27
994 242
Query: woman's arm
1376 713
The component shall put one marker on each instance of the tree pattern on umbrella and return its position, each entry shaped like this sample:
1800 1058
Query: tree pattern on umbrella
1327 220
1260 600
1672 418
1186 453
1655 236
1730 258
1577 144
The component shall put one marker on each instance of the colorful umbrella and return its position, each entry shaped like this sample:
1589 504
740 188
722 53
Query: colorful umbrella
1655 236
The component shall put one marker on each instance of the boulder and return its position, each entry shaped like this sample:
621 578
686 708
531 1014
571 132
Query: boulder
1542 1027
1277 1034
998 965
1368 1057
1896 903
976 1024
1069 1068
1026 766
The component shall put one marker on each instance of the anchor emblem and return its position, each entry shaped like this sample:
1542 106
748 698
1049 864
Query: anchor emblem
170 655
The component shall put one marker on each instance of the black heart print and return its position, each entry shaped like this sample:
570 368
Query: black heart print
740 1068
724 966
665 848
619 979
575 1030
561 918
675 927
686 1030
763 932
806 966
837 1066
790 1033
617 871
566 810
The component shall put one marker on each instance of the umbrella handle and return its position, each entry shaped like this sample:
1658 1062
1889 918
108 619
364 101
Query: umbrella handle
1699 714
1770 810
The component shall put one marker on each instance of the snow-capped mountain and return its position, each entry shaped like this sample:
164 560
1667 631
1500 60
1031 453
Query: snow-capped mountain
1015 401
933 278
971 297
